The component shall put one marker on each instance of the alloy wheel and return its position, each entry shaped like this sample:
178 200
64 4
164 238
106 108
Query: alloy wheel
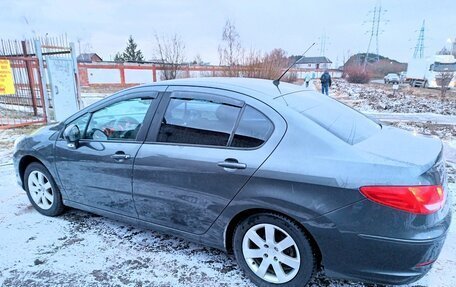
271 253
40 189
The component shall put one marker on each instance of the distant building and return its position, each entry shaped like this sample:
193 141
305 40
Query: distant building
314 63
89 58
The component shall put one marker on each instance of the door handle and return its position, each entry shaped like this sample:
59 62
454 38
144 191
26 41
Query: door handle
120 156
232 164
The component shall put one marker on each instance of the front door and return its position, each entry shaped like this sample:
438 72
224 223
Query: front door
98 172
204 148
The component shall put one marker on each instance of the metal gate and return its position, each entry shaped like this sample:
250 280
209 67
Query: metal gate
26 105
45 78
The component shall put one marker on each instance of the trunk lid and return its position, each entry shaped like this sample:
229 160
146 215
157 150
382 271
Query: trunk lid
403 147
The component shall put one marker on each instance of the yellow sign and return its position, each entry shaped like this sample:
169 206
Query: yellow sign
6 79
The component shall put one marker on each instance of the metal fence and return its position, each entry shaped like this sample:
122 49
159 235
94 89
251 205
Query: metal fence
32 102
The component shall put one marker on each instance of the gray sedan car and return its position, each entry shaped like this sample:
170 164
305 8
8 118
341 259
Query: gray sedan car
288 180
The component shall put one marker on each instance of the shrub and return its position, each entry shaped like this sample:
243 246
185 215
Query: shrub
356 74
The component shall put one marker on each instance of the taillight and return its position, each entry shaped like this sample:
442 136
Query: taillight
420 199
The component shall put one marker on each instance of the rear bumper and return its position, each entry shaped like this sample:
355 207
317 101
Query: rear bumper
387 260
392 247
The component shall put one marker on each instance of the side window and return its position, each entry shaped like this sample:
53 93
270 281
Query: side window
199 122
119 121
82 122
253 130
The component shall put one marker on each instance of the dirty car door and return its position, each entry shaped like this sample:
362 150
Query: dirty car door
192 163
98 173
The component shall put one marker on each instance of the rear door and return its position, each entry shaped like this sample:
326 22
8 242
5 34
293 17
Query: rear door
204 146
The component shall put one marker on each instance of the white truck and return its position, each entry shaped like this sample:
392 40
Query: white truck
428 72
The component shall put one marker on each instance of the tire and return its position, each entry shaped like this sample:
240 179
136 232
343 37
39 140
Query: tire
42 190
261 262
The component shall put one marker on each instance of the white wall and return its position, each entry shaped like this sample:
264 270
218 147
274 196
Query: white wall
103 76
138 76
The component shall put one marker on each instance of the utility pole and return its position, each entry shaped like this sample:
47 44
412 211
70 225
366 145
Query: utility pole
377 30
323 43
374 31
419 48
374 18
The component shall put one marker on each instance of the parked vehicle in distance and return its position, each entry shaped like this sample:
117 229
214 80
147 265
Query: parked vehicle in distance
427 72
391 78
288 180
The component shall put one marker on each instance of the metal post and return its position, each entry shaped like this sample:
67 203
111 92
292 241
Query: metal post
39 55
31 80
76 74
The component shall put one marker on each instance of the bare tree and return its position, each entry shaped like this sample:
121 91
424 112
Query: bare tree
170 52
230 49
198 60
443 80
267 66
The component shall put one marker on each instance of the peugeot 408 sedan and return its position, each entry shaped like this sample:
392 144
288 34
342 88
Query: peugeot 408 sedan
289 180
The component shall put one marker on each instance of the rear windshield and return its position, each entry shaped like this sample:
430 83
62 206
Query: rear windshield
344 122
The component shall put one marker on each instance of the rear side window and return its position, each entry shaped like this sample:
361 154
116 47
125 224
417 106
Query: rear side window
253 130
199 122
344 122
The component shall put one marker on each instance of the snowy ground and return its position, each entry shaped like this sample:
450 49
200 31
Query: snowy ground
381 98
82 249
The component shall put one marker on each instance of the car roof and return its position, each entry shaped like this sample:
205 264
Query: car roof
263 90
243 85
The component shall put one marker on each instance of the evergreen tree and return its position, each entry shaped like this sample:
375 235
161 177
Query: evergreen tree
131 53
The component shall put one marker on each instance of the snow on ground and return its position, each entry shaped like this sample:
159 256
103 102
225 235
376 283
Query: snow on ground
381 98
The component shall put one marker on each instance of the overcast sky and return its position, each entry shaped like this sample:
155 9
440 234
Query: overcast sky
104 26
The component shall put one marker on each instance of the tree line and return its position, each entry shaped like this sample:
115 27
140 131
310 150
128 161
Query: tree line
169 52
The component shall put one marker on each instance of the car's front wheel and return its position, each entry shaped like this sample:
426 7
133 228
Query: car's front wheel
272 250
42 191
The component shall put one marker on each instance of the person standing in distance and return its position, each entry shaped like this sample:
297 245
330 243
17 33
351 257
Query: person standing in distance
325 80
307 79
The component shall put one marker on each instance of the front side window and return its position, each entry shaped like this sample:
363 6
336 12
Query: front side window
199 122
82 122
253 130
119 121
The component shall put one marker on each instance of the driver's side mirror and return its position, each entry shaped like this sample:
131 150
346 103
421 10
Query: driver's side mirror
72 135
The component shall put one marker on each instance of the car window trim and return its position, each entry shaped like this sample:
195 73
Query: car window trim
205 96
152 135
190 95
142 133
236 125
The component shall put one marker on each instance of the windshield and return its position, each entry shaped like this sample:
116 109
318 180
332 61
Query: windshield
344 122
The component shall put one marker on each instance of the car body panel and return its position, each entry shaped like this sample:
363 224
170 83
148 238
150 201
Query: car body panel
178 185
304 171
89 175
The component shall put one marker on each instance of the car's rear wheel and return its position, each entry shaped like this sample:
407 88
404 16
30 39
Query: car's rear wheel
273 250
42 191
